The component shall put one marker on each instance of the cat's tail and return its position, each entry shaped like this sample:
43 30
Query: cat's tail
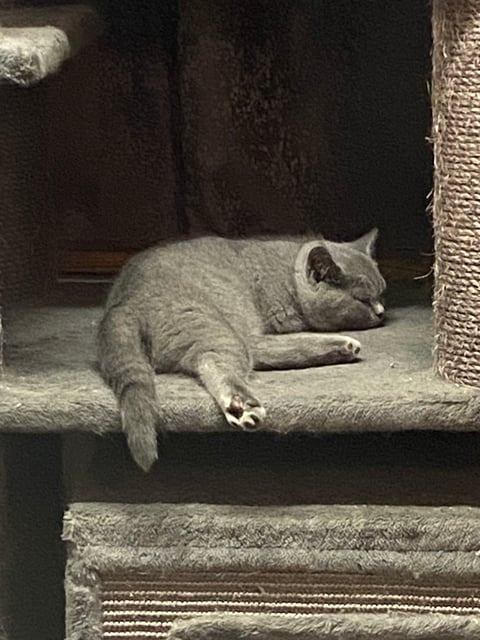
125 367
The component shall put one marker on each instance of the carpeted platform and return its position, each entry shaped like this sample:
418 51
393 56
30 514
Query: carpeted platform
50 383
134 569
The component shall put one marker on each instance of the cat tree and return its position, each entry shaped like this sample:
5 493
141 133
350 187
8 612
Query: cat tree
50 387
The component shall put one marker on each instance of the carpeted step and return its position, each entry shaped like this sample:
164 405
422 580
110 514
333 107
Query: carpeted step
133 570
35 42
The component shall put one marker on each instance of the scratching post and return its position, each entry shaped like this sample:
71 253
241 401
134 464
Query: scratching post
456 212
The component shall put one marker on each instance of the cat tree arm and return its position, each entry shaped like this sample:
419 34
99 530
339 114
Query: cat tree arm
35 42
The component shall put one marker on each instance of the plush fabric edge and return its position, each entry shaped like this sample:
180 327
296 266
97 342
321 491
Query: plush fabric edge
83 619
414 542
327 627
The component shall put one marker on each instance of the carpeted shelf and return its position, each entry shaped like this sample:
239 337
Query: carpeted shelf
50 382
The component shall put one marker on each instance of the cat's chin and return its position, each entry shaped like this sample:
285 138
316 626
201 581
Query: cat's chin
374 324
350 325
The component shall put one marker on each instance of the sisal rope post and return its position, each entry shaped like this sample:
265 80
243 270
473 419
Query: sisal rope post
456 204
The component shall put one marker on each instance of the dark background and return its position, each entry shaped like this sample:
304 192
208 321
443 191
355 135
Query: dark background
265 116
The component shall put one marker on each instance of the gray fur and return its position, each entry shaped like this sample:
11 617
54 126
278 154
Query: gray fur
208 307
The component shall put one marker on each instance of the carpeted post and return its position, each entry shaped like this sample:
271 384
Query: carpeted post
456 210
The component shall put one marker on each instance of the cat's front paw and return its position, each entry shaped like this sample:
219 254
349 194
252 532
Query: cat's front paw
351 347
339 349
245 413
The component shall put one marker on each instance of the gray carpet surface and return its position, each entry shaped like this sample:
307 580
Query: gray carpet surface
50 381
288 537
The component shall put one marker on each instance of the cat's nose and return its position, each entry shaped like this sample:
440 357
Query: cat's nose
379 310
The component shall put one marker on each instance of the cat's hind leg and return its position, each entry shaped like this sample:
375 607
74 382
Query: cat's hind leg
231 391
220 359
301 350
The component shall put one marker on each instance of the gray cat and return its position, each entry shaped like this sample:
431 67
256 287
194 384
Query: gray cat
216 309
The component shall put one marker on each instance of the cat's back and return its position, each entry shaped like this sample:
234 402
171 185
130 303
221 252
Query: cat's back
187 266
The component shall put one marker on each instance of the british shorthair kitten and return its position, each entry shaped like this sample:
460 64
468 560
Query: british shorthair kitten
216 309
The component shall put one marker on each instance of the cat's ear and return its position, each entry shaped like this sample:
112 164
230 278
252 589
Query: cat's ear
366 243
322 268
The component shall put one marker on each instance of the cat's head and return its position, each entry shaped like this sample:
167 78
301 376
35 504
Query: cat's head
339 285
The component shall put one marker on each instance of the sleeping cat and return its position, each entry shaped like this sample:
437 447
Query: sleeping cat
216 308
